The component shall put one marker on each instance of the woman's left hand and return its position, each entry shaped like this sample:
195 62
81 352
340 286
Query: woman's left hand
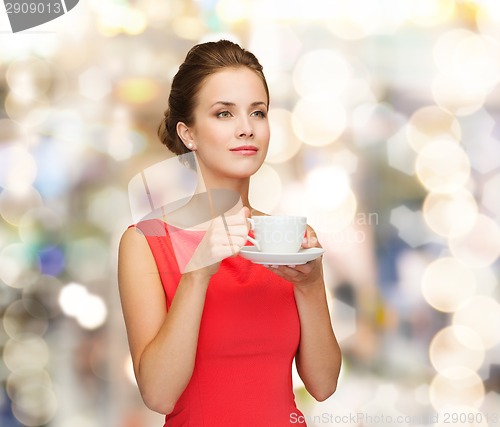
303 275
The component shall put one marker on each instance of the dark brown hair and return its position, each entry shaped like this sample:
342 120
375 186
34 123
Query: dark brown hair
201 61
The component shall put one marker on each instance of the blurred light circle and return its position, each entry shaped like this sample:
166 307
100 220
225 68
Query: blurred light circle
70 297
358 92
430 123
450 214
89 310
486 279
431 12
490 198
331 221
488 18
15 204
444 49
442 166
94 83
456 386
320 72
318 120
328 186
104 206
93 312
10 132
14 263
284 143
138 90
117 18
451 94
28 78
46 291
447 283
34 404
233 11
51 260
135 21
470 58
25 317
18 168
480 245
81 420
189 27
29 114
481 314
346 160
347 29
87 259
448 351
30 352
477 62
68 130
266 189
122 141
17 380
295 200
357 19
41 226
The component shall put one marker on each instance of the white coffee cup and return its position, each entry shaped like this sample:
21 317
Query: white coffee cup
278 234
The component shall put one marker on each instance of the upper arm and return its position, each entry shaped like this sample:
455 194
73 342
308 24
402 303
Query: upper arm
141 292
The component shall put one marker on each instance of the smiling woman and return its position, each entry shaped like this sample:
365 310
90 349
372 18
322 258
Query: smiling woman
213 335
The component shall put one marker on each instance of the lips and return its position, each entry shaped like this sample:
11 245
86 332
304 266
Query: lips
245 150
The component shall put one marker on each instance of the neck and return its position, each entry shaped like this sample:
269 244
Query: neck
208 181
239 186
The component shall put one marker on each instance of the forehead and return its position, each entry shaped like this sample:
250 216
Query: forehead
233 85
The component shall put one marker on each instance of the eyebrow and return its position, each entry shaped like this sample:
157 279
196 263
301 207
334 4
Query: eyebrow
232 104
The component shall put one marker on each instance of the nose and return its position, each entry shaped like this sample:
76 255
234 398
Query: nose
245 128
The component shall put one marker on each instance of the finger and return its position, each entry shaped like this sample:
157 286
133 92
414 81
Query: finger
311 239
238 219
303 268
227 233
285 272
246 212
238 230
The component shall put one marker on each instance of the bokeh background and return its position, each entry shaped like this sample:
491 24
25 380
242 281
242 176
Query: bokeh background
385 133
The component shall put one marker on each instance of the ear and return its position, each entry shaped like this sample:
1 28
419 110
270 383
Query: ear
186 135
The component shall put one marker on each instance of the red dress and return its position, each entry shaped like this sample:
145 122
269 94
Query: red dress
248 337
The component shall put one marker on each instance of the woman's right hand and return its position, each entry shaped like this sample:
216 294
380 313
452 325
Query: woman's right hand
225 236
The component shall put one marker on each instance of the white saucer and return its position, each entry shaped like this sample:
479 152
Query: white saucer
266 258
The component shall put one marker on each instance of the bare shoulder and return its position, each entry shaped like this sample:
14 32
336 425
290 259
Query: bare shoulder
134 256
131 238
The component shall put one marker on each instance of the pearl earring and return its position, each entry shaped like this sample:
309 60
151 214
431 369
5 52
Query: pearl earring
190 145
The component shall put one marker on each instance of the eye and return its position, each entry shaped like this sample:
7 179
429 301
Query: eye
224 114
261 114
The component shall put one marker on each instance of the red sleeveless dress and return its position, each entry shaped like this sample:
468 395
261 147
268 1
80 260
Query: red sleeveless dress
248 337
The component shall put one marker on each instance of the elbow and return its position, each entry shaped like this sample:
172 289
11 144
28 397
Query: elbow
323 393
155 403
322 390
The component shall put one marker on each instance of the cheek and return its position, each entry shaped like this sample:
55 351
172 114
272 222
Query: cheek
265 133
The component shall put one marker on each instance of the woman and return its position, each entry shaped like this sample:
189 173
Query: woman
212 335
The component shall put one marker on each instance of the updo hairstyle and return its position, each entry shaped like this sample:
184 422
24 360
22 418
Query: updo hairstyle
201 61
